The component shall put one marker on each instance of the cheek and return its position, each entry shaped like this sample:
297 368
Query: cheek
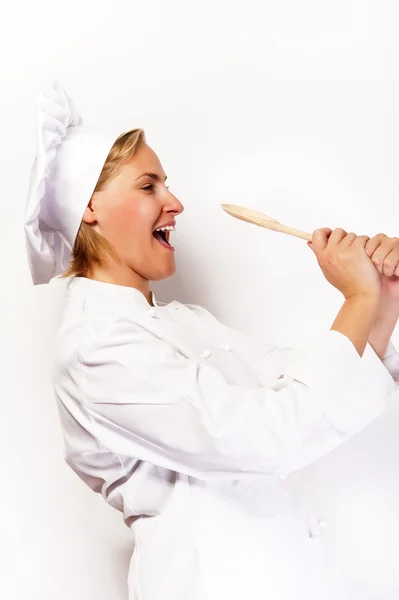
128 221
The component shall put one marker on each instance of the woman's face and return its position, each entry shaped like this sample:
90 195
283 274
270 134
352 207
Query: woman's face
128 211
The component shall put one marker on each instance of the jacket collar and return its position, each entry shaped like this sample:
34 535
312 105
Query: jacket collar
83 286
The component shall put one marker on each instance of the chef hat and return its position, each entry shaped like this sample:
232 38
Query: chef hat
69 160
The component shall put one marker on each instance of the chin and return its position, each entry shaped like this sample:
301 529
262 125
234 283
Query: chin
164 274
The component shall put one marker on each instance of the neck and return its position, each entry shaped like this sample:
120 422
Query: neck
121 275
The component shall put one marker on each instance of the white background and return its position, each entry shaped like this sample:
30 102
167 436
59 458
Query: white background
287 107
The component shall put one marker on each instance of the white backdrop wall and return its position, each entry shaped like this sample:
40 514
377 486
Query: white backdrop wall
287 107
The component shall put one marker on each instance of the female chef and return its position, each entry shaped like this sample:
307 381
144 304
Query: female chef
185 425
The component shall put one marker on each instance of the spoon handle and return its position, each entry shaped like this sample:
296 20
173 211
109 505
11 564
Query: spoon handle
258 218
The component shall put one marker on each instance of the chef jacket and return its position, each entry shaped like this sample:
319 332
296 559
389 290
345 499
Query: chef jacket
189 428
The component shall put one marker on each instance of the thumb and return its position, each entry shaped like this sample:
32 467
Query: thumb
310 245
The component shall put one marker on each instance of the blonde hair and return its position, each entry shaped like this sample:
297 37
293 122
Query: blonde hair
91 247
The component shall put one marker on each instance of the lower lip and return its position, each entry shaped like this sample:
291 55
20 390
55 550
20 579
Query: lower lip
165 245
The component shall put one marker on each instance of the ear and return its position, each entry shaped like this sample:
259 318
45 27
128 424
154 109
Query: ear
89 214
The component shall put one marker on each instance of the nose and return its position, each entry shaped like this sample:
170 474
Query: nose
174 205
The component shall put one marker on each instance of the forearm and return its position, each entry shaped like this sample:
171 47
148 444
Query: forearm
356 318
384 324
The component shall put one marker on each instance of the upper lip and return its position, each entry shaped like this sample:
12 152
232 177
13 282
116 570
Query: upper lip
166 224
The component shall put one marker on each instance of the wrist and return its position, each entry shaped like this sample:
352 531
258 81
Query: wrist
372 299
389 304
355 318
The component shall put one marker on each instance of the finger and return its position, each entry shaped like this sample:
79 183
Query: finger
327 230
391 263
361 240
337 236
348 239
380 254
320 238
373 244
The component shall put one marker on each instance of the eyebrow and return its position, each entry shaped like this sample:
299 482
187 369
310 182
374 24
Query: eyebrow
152 175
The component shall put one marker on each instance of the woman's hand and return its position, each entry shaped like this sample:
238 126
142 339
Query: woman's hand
344 262
384 253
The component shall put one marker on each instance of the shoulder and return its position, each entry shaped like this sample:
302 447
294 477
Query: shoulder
72 333
94 333
97 333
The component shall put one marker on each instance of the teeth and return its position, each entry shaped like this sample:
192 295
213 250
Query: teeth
167 228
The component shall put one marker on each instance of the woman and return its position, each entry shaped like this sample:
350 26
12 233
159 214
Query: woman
187 426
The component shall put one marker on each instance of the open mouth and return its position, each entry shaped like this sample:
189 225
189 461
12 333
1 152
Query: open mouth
163 238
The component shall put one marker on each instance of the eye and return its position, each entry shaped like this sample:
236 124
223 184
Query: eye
151 187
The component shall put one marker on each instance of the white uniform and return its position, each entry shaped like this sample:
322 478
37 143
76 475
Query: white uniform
189 427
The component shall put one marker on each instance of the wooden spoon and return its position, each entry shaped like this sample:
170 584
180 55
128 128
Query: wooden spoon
258 218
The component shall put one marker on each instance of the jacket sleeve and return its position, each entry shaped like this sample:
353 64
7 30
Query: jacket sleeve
146 400
268 360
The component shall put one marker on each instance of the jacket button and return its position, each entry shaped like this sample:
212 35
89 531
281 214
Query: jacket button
207 353
152 312
226 347
322 523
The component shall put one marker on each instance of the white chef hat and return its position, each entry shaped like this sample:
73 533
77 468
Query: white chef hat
69 160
